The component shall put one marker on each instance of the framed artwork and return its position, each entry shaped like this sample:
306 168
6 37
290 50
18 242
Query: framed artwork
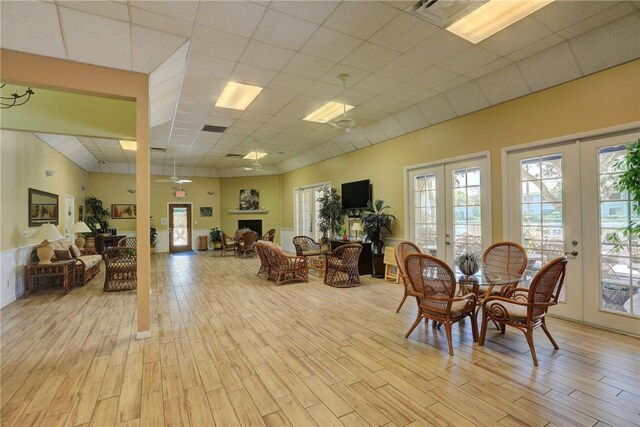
249 199
81 213
43 208
206 211
123 211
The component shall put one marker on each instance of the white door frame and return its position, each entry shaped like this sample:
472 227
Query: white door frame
68 226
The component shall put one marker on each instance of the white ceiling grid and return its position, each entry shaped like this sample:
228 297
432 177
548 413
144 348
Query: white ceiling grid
406 73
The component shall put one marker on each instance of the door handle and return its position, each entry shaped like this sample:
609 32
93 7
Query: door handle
447 243
572 253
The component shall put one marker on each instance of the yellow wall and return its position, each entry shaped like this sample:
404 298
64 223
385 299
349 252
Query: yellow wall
270 198
112 189
66 113
23 160
598 101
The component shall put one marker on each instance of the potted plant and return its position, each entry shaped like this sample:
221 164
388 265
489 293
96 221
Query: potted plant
628 181
330 214
468 262
96 213
216 237
153 238
375 221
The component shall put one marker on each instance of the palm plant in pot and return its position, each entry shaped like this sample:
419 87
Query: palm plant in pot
330 214
375 222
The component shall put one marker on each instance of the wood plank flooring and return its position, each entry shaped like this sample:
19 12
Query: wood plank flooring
231 349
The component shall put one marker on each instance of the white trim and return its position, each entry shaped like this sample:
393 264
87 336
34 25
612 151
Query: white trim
462 157
249 211
168 221
142 335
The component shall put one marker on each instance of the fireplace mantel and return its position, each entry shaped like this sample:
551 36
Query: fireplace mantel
249 211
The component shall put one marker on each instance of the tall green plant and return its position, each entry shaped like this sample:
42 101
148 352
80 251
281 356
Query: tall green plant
629 181
375 221
330 214
96 213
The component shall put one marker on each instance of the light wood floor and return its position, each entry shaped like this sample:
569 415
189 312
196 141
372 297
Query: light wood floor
232 349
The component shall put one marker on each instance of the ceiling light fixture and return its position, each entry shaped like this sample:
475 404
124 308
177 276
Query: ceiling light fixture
494 16
237 96
328 111
254 155
12 101
128 145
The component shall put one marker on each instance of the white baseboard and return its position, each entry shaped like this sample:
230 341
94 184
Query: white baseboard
12 264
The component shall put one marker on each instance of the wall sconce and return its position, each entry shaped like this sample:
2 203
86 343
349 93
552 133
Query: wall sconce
131 190
49 172
83 187
211 193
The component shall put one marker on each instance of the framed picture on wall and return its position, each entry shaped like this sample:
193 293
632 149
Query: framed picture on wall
43 208
81 213
123 211
206 211
249 199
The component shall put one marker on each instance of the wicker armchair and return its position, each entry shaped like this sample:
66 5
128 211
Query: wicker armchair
434 281
504 257
403 249
128 242
228 244
306 246
271 234
249 240
526 309
342 266
283 268
120 269
261 250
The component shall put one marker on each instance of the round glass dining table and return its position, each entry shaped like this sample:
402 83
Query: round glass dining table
486 282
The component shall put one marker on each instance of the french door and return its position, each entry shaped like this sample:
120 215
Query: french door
563 201
450 207
179 227
306 209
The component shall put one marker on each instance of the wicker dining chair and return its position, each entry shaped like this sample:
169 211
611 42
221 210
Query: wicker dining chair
342 266
228 244
503 257
249 240
403 249
435 282
306 246
526 309
270 235
128 242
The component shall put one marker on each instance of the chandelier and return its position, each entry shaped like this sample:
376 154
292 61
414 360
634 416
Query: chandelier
15 99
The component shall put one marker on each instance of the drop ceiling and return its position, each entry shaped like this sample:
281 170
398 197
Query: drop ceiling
406 73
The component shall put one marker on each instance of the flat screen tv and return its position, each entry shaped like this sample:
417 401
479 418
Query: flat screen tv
355 195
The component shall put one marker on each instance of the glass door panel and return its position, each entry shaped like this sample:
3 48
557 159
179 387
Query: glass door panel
179 227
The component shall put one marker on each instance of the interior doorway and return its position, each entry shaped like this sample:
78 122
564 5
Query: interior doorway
179 227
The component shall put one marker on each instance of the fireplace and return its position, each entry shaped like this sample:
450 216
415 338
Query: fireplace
251 224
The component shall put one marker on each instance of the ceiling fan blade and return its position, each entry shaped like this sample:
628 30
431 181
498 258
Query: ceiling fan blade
164 180
182 181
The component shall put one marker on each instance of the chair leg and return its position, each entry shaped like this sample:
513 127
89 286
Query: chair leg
404 298
503 327
483 329
474 326
415 324
546 331
529 335
447 327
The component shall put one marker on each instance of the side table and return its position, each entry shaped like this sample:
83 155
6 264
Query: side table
55 269
318 263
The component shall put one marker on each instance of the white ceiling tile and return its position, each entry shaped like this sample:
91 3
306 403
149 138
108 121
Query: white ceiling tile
404 91
283 30
489 68
151 48
403 67
612 44
468 60
173 25
216 43
224 113
322 90
83 32
209 67
412 118
108 9
403 32
354 97
31 27
355 74
519 35
314 11
451 84
375 84
391 126
361 22
437 109
330 45
250 75
184 9
370 57
561 14
378 103
438 47
254 117
290 83
611 14
240 18
503 85
535 47
266 56
270 101
307 66
549 68
432 78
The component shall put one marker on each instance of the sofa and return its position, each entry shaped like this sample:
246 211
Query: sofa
87 260
277 266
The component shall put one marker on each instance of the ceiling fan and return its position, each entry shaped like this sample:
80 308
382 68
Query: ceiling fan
344 123
254 166
175 179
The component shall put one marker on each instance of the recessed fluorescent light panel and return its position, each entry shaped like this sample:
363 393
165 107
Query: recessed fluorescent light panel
494 16
237 96
252 155
328 111
128 145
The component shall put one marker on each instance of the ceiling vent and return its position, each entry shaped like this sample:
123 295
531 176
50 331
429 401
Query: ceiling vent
443 13
216 129
158 149
235 156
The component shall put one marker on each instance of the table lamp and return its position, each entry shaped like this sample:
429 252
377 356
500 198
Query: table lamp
80 227
47 232
356 226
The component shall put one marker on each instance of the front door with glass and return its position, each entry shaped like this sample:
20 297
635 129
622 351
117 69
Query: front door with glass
179 227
